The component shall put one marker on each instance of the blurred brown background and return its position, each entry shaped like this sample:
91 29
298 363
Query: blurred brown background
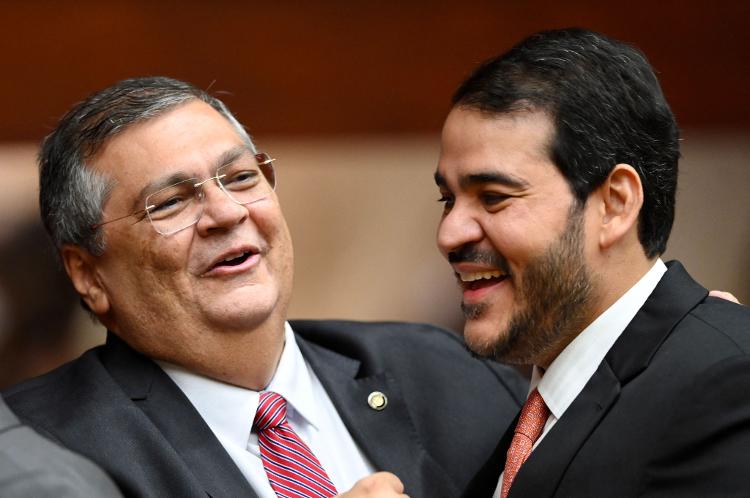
350 97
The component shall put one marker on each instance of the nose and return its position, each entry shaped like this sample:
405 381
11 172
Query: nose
457 228
220 213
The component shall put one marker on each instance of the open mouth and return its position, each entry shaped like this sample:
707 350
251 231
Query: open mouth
480 279
234 260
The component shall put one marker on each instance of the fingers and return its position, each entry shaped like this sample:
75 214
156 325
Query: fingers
378 485
724 295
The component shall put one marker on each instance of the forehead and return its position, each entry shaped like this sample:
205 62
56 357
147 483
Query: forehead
514 144
187 139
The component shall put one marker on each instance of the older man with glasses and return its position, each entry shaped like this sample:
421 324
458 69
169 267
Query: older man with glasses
165 217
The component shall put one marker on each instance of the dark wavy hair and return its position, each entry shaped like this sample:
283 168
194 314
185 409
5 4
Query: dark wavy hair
607 108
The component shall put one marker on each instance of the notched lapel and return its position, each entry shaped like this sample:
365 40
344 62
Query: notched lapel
542 472
177 420
675 295
387 437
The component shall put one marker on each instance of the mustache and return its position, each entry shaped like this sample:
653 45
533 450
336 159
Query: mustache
470 254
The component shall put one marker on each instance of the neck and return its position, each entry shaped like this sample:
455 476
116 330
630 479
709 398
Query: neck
248 361
618 279
612 277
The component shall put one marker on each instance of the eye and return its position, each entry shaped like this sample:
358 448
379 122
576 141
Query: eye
241 179
447 200
167 206
493 199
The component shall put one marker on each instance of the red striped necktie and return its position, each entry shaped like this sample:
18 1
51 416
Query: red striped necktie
291 467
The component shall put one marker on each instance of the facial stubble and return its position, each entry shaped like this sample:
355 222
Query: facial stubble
554 291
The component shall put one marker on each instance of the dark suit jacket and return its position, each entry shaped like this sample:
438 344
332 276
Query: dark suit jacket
445 413
666 414
34 467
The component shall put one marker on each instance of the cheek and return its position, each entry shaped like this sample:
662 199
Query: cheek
509 235
270 222
138 273
274 229
284 259
520 234
165 256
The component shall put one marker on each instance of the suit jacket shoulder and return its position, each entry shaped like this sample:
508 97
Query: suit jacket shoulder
34 467
119 409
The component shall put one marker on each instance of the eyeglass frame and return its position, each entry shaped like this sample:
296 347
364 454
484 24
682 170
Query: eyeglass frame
262 158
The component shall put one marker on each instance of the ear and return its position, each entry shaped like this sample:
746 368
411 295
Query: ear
622 198
81 267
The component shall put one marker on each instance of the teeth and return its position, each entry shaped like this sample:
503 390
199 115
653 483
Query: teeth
479 275
230 258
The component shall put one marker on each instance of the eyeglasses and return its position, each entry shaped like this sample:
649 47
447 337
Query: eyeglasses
180 205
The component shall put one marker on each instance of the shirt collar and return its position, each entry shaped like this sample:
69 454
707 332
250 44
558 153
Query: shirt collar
566 377
230 410
293 380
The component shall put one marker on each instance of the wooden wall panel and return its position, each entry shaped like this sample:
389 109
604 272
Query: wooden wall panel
346 66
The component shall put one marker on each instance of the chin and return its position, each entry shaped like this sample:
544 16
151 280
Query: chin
483 336
239 322
241 310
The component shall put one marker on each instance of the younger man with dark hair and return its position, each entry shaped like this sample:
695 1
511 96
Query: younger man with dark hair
558 171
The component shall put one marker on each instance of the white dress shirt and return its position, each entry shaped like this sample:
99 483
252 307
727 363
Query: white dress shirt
230 410
568 374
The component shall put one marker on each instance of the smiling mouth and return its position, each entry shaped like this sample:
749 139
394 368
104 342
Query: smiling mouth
480 279
234 260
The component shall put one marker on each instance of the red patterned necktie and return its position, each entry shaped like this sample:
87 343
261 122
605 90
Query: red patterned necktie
291 467
530 425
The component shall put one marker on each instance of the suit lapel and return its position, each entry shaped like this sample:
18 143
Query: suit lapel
387 437
674 296
542 472
486 480
176 419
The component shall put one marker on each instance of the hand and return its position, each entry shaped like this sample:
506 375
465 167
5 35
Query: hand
724 295
378 485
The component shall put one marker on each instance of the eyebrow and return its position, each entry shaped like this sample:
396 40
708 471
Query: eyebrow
483 177
227 157
232 155
156 185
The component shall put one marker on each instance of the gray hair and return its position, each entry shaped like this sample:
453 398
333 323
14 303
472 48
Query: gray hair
71 194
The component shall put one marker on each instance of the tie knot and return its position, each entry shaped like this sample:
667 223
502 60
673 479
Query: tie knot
271 411
533 416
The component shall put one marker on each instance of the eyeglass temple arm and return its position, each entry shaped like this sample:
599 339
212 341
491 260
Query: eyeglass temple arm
144 211
264 159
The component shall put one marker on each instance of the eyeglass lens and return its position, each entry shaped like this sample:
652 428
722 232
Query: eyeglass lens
181 205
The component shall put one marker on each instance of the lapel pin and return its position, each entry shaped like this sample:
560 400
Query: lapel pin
377 401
